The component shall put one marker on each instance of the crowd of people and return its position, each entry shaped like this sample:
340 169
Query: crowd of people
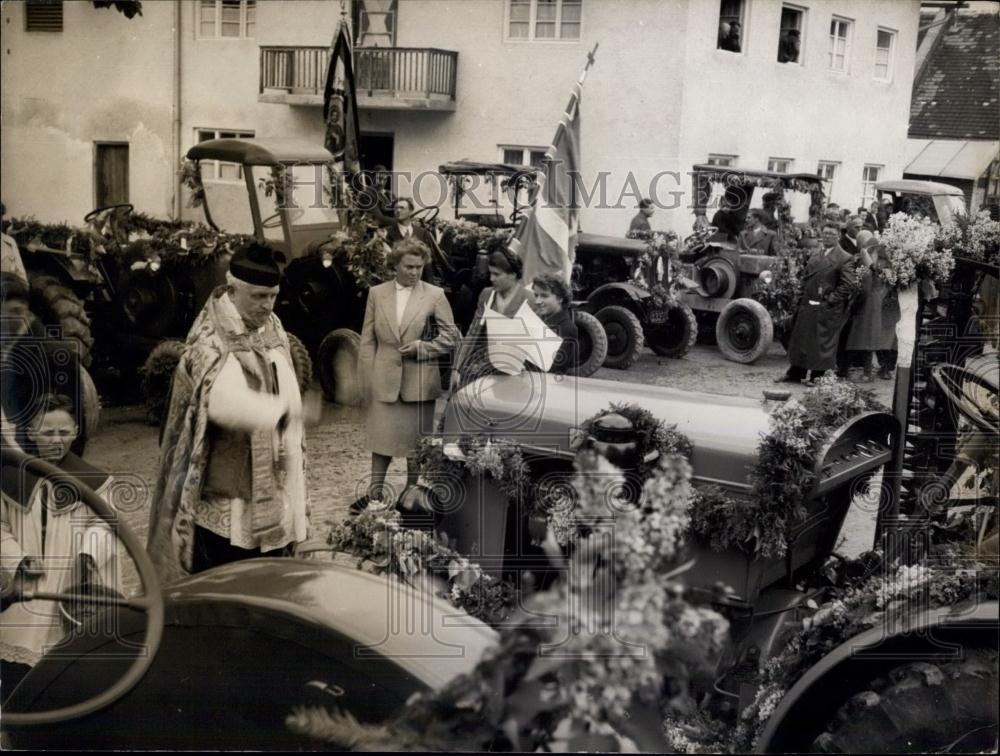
846 317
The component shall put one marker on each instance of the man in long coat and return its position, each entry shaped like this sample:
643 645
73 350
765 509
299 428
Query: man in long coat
232 473
827 286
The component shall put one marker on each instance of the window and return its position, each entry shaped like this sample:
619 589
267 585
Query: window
725 161
827 170
730 25
779 165
885 42
43 16
522 155
218 170
529 20
840 43
869 177
790 36
229 19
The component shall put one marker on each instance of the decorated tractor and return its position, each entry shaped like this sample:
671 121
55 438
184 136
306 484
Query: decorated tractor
267 636
725 282
626 284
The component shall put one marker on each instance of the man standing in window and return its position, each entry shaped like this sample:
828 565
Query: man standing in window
641 220
729 36
788 46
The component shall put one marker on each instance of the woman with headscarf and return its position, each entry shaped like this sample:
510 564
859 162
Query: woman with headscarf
505 296
873 325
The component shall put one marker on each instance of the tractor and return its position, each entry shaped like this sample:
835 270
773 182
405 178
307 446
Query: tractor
720 280
151 671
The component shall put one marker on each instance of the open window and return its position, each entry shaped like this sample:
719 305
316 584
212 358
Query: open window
731 23
790 35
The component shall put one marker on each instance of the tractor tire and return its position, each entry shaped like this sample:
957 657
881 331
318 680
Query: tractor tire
338 367
90 402
920 707
625 338
157 375
675 337
301 361
592 344
56 305
744 331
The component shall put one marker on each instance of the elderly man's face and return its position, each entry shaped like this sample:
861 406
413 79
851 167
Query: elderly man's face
830 236
854 226
254 303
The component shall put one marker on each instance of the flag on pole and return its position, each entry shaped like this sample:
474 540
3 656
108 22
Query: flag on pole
340 105
546 240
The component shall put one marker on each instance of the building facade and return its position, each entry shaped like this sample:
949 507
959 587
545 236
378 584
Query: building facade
815 85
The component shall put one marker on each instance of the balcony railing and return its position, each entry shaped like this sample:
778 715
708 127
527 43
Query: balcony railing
384 77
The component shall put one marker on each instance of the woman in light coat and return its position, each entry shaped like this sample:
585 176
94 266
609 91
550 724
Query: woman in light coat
408 325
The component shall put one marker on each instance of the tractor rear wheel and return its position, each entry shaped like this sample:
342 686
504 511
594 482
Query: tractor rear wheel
744 331
338 367
301 361
625 338
592 343
920 707
675 337
55 304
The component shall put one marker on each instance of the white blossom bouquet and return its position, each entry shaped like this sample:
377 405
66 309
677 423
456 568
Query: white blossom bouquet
977 238
913 252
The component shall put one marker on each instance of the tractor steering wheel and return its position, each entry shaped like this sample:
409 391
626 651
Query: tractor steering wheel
271 221
151 602
425 214
97 211
970 392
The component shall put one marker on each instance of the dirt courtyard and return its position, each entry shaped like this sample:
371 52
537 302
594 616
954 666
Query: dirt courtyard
338 462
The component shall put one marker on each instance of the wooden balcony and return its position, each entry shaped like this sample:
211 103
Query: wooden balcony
395 78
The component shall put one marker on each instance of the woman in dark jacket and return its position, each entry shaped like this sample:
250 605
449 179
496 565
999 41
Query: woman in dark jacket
552 300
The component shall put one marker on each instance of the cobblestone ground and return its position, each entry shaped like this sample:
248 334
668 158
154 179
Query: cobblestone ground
338 462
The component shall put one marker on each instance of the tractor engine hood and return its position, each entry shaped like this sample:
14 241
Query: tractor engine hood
542 412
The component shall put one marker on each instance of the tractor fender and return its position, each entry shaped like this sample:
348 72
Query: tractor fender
937 632
621 293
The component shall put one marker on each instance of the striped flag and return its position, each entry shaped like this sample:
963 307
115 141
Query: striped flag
340 105
546 240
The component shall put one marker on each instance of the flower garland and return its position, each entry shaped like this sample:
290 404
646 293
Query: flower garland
463 239
190 177
499 459
913 252
782 473
781 296
853 610
594 694
59 236
385 546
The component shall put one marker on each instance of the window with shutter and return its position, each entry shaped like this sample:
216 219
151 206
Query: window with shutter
43 16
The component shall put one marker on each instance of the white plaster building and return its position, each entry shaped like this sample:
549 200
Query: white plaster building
478 79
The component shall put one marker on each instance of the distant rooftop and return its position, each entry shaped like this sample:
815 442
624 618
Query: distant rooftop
957 97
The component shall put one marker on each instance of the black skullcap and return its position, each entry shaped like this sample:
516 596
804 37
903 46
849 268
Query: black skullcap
257 264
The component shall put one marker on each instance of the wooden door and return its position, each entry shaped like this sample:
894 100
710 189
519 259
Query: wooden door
111 174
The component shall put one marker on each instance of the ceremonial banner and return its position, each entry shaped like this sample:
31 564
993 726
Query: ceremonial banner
340 107
546 240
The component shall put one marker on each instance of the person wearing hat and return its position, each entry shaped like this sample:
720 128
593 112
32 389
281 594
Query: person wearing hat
873 324
232 482
757 238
